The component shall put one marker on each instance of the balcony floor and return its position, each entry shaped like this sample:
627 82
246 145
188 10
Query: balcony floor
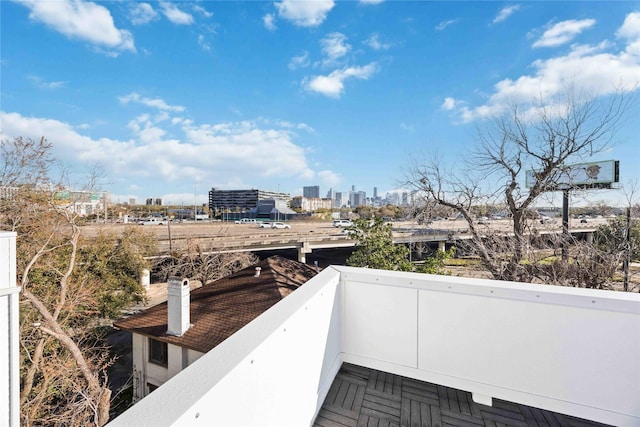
365 397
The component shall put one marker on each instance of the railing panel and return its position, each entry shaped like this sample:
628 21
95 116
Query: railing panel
275 371
380 322
563 358
564 349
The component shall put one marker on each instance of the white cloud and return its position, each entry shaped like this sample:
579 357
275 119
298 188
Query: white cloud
333 84
329 178
563 32
202 41
301 61
406 127
630 30
269 21
149 102
334 47
304 13
41 84
444 24
142 13
449 104
202 11
375 43
81 20
176 15
588 69
506 12
211 153
371 1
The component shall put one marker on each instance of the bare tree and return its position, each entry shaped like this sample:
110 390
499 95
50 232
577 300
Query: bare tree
203 263
64 286
542 138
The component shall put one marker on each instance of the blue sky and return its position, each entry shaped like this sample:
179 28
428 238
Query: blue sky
173 98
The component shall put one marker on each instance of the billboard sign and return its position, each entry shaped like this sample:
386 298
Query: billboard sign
582 175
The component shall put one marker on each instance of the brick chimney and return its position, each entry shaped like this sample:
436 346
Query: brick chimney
177 306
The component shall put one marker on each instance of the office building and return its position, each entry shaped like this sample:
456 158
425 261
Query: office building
312 192
241 199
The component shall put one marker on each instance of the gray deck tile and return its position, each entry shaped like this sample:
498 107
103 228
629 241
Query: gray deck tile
368 398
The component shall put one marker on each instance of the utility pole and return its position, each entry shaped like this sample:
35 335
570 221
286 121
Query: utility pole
627 255
565 224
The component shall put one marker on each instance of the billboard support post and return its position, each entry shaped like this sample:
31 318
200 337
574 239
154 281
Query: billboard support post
565 224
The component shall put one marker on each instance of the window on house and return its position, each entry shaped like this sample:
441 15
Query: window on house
157 352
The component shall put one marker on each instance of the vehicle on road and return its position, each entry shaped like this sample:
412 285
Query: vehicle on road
342 223
583 221
245 221
264 225
153 221
483 220
280 225
545 220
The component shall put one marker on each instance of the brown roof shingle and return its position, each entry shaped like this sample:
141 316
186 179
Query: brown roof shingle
220 309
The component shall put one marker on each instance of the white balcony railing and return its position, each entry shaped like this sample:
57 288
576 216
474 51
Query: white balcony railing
568 350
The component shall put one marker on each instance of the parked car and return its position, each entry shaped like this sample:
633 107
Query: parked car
342 223
153 221
583 221
264 225
280 225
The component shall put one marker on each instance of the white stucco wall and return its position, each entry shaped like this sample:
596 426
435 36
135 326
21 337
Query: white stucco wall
146 372
9 333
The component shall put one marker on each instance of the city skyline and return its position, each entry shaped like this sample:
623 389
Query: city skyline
170 99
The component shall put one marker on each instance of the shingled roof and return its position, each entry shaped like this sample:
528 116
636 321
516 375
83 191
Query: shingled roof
221 308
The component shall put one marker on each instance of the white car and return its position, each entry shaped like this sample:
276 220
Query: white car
245 221
280 225
265 225
153 221
342 223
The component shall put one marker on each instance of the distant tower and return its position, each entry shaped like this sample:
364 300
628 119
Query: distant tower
375 192
353 188
330 194
311 191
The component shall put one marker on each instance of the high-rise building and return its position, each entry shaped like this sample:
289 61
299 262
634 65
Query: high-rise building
331 194
311 191
339 202
357 198
375 192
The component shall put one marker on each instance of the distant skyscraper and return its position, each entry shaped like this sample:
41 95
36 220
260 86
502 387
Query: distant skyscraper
331 194
311 191
353 188
375 192
132 200
338 199
357 198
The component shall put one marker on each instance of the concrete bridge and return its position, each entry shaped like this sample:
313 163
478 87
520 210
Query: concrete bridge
306 238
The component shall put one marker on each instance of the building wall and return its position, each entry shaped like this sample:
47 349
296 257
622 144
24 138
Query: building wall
9 333
311 204
243 199
145 372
